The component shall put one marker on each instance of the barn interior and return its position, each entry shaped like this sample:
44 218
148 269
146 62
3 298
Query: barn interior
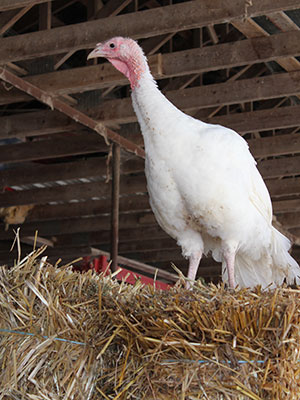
72 160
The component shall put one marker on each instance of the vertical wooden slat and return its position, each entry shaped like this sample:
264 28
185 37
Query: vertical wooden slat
115 206
45 16
45 22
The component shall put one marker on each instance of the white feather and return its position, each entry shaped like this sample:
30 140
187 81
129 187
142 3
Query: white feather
206 191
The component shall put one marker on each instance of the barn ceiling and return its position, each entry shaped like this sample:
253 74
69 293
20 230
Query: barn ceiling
234 63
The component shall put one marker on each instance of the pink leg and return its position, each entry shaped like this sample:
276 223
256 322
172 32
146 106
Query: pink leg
229 259
194 261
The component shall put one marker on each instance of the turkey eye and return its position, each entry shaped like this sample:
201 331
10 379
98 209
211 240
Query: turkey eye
112 45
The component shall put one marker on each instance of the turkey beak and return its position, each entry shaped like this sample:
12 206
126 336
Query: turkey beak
97 52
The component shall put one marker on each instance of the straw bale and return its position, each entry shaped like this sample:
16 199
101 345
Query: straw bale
66 335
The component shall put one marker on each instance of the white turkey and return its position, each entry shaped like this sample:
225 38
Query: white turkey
204 187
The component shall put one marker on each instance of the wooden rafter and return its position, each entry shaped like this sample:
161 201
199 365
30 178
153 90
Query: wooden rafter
73 225
110 9
9 19
181 63
262 88
173 18
103 236
141 221
71 112
90 143
84 191
252 30
6 5
90 207
47 122
280 85
93 167
136 203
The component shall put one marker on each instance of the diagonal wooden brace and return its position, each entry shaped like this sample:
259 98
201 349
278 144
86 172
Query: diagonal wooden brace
76 115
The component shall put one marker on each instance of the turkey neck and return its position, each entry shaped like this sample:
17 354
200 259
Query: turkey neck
155 113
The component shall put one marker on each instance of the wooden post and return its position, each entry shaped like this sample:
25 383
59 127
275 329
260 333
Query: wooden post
115 207
45 16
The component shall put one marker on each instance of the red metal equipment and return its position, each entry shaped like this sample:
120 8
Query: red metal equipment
101 264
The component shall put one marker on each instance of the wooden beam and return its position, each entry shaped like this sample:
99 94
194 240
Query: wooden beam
251 29
267 87
61 171
150 245
45 122
282 21
7 20
157 255
289 220
275 145
13 95
37 241
153 236
284 187
158 21
100 236
260 120
129 185
175 256
71 112
283 206
52 148
153 44
80 191
76 225
278 168
112 8
16 69
6 5
90 144
76 80
45 16
284 230
296 232
136 203
35 124
87 208
187 62
38 173
63 59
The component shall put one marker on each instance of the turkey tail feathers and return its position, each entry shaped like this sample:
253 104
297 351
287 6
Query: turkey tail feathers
282 259
275 266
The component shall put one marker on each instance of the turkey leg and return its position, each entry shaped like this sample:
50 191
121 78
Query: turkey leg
229 259
194 261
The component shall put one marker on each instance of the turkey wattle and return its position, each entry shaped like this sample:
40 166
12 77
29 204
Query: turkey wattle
204 187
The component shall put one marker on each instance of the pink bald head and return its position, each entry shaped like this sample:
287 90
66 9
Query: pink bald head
125 55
